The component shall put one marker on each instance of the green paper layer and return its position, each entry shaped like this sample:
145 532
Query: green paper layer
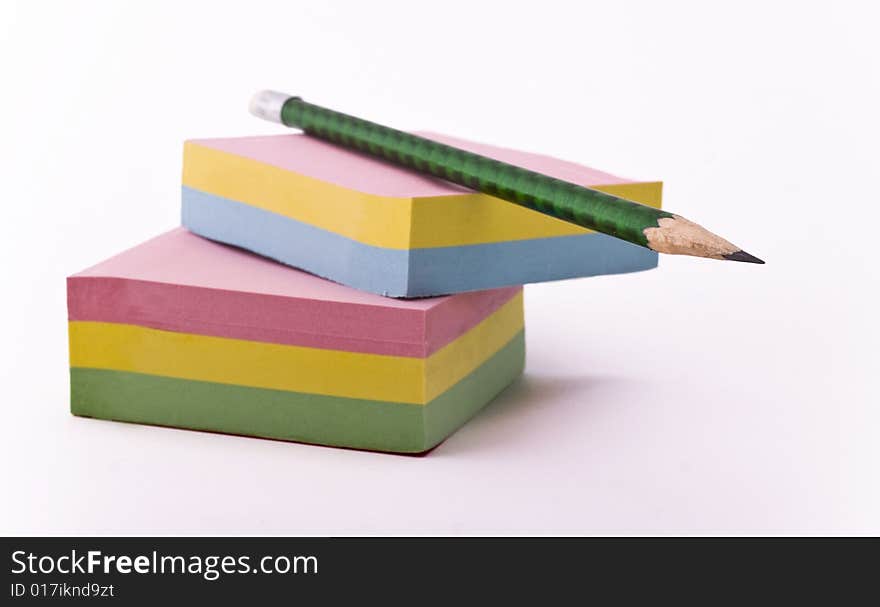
294 416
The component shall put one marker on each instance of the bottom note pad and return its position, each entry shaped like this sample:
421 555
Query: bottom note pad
181 331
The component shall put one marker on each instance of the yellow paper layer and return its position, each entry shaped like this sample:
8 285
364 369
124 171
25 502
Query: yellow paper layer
396 223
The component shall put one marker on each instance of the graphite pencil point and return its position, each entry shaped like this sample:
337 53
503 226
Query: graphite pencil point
743 256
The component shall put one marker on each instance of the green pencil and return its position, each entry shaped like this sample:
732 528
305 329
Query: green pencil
655 229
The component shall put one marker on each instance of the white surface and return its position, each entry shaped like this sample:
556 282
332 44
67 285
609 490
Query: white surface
703 397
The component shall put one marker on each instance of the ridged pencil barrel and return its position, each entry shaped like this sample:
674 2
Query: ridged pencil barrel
588 208
646 226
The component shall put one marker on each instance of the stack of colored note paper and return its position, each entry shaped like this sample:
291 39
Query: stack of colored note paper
368 224
187 332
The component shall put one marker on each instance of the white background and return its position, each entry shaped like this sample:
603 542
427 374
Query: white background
703 397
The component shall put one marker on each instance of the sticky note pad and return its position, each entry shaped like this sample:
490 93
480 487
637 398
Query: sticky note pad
182 331
365 223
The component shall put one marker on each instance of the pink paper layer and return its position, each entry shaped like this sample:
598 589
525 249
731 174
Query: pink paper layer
181 282
327 162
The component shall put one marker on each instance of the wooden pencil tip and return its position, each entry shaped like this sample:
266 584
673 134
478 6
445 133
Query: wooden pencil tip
676 235
742 256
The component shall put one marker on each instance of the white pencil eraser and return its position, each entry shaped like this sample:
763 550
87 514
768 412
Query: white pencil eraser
267 105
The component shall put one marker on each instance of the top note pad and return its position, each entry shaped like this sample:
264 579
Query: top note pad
365 223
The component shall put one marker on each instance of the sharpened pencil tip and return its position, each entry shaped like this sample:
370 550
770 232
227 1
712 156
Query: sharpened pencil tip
743 256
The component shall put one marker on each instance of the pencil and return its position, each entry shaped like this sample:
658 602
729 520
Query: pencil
640 224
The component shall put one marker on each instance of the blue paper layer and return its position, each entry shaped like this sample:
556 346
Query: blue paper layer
419 272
